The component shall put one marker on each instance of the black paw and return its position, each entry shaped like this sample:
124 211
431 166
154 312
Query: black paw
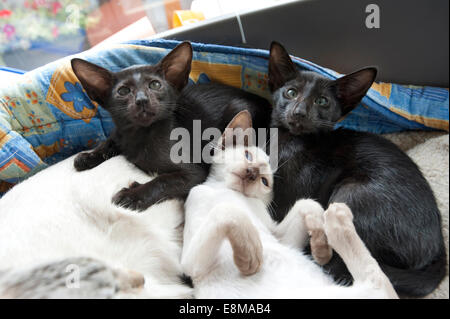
134 185
130 198
85 161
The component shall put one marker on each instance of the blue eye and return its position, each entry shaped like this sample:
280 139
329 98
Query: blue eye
291 93
123 90
322 101
248 156
265 181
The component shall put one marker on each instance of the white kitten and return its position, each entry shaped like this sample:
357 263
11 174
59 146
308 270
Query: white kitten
61 217
233 249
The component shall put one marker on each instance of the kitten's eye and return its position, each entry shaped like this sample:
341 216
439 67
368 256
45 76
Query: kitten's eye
265 181
322 101
291 93
248 156
123 90
155 85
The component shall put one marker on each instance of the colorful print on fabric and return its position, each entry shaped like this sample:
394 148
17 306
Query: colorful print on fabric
47 116
66 93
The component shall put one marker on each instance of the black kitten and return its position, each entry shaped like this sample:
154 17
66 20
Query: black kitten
394 209
146 103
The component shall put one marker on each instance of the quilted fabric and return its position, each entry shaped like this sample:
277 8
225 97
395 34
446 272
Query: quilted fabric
47 116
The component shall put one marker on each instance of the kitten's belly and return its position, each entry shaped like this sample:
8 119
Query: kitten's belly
285 273
283 269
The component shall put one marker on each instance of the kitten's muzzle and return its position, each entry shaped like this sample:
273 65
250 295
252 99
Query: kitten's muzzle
252 173
142 102
299 111
249 174
299 123
143 111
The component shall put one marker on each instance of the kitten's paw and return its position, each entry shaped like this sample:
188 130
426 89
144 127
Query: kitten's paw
130 198
134 185
313 218
313 215
85 161
339 227
129 280
308 206
247 249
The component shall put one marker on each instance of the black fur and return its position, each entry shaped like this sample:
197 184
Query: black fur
395 212
145 117
186 280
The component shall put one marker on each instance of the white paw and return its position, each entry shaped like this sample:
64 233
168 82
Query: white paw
247 248
313 217
308 207
312 214
338 224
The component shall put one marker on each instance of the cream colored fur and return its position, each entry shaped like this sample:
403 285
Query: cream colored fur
60 213
233 248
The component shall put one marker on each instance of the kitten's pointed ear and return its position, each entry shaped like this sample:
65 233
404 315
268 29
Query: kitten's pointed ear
350 89
176 66
96 80
237 131
281 67
242 120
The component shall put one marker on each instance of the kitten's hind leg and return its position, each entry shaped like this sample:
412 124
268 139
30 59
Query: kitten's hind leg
101 153
320 249
225 221
305 218
342 236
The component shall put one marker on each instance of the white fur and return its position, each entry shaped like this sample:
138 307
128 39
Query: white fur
220 220
60 213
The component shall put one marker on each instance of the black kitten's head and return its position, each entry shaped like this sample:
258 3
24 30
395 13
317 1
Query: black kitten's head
138 95
306 102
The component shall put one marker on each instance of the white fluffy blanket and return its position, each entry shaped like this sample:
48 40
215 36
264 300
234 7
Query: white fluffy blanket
430 151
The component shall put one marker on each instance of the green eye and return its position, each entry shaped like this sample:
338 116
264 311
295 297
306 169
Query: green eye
322 101
291 93
123 90
155 85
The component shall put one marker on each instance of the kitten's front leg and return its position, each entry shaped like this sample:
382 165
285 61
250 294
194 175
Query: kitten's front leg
167 186
224 221
101 153
344 239
305 219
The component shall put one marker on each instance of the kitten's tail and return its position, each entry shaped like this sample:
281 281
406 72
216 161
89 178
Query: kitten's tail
83 277
417 282
79 277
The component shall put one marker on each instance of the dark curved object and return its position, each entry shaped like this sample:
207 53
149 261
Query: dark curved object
410 47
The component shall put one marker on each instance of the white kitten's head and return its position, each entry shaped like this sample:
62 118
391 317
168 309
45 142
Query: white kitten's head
241 167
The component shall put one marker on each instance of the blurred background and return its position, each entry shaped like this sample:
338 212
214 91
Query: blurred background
35 32
410 44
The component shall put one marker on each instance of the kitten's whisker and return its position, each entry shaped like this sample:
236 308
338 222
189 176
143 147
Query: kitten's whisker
323 123
270 138
279 166
271 210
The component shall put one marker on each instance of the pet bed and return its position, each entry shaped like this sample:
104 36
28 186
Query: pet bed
46 116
